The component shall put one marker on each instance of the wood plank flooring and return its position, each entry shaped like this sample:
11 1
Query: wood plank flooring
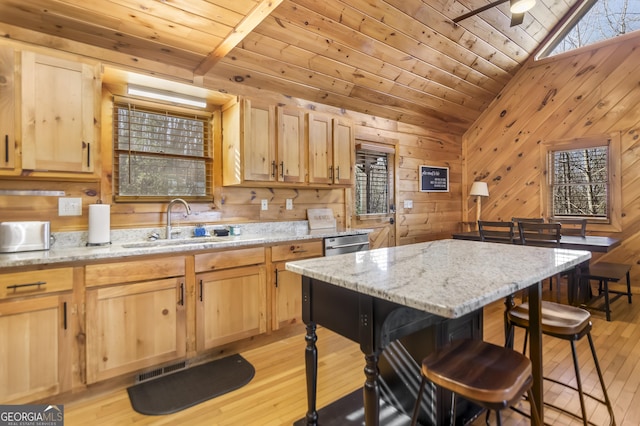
276 395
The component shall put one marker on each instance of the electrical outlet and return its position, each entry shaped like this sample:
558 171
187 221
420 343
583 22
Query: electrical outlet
69 206
265 205
408 204
289 204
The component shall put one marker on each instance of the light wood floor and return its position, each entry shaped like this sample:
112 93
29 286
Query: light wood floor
276 395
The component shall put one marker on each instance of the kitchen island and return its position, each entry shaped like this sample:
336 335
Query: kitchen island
378 296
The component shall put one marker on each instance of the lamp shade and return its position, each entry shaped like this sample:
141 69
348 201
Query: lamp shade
521 6
480 189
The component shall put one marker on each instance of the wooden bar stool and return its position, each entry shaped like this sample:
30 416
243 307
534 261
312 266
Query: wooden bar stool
493 377
567 323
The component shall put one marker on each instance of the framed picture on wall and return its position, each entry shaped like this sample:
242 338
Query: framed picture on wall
434 179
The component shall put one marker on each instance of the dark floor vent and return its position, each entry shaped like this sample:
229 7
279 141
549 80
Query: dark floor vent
160 372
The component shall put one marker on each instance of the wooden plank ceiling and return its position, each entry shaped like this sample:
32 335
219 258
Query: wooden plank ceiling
399 59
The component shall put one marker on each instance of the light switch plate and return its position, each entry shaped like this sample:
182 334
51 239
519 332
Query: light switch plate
289 204
408 204
69 206
264 205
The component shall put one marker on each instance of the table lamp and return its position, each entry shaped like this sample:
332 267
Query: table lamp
479 189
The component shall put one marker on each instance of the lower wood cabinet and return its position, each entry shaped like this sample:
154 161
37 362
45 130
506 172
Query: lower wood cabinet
231 305
287 299
134 326
35 334
135 316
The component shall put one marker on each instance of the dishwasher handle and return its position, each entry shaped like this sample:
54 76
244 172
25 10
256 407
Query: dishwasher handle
338 246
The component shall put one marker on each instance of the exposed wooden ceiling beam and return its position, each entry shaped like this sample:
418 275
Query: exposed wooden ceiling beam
255 17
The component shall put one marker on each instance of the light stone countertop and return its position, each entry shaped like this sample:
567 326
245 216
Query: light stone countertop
449 278
71 246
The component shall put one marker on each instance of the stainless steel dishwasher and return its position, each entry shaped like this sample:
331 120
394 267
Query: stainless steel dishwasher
345 244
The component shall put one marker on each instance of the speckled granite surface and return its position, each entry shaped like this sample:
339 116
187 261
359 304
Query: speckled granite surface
447 277
72 246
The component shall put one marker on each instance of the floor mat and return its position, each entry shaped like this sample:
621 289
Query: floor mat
183 389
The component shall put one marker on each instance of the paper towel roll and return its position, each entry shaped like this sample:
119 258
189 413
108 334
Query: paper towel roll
99 224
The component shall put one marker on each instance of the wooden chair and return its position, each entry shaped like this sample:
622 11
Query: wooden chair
543 235
567 323
576 227
493 377
497 232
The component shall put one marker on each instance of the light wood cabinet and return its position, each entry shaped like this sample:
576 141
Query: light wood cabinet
262 143
58 114
7 108
35 334
290 164
287 300
331 144
134 319
231 296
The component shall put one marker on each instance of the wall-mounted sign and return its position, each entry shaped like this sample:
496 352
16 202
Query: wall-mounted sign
434 179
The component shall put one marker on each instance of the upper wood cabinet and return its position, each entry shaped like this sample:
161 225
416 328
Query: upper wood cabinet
262 143
331 149
58 114
7 107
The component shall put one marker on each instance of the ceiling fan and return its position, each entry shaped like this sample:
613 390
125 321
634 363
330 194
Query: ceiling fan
517 8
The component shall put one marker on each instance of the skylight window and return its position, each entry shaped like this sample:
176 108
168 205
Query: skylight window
596 21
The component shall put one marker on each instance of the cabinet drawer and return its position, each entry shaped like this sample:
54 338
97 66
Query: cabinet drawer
229 259
296 250
141 270
31 283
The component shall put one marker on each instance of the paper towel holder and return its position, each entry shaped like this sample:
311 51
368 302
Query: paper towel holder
96 244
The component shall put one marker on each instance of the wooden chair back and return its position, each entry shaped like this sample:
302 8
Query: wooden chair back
573 226
539 234
496 232
517 220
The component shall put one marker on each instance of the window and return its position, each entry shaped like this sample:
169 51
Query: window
160 154
595 21
580 182
372 182
583 179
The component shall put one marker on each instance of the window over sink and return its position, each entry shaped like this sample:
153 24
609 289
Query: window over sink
160 153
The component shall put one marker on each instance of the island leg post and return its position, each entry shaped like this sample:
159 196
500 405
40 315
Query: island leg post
311 367
535 348
371 391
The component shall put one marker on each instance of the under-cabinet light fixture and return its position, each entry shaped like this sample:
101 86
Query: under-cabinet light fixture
165 95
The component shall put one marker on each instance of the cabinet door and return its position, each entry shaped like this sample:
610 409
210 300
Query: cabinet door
134 326
343 151
36 343
231 305
57 114
259 142
7 107
320 148
291 152
288 297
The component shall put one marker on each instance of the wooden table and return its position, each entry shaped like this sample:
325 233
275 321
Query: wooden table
591 243
376 296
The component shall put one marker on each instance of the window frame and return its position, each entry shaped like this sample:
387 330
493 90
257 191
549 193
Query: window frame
390 153
162 108
613 221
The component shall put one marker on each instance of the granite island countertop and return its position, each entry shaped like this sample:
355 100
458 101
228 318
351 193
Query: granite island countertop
449 278
71 247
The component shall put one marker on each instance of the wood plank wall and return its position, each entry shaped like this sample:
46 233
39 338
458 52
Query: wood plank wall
433 216
591 93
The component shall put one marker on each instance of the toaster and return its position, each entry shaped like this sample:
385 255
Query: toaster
24 236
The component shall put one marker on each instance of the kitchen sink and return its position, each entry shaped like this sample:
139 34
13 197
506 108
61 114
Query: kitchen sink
175 242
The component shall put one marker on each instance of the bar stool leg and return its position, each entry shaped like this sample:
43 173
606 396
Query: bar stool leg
628 287
607 401
416 409
607 308
576 367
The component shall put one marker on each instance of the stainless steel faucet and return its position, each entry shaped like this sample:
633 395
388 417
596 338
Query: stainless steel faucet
171 203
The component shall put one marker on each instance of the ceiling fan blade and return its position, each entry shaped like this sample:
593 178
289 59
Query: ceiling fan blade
516 19
481 9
